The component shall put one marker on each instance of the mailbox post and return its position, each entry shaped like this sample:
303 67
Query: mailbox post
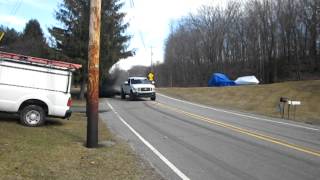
282 104
294 104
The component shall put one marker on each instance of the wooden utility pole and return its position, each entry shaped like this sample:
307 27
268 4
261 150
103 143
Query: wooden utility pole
93 73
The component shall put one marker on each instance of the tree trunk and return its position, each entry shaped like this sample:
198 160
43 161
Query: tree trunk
83 86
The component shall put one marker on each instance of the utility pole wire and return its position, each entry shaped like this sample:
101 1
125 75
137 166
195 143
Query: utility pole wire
140 33
142 40
16 8
131 3
13 13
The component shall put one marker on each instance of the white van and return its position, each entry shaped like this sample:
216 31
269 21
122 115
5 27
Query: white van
35 87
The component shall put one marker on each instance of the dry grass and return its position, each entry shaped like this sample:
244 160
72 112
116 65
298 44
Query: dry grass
57 151
261 99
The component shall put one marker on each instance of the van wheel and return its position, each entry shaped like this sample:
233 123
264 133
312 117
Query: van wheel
153 98
32 116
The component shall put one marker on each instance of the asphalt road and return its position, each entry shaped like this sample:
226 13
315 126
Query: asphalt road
182 140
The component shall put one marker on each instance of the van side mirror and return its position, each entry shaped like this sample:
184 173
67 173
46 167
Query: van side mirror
152 82
126 83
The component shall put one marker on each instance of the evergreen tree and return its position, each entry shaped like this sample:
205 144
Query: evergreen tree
10 37
33 31
113 41
30 42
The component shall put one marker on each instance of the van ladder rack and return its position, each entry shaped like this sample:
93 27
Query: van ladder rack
30 59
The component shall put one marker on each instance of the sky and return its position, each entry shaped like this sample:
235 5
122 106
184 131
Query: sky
16 13
149 22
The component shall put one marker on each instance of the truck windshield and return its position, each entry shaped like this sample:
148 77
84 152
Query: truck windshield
140 81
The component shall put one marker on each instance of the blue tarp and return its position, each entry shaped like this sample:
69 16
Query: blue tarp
219 79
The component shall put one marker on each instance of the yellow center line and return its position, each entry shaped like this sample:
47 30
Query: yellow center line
243 131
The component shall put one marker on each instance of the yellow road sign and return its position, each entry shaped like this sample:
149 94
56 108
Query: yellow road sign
1 35
151 76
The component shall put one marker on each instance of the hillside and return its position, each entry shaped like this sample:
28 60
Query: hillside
259 99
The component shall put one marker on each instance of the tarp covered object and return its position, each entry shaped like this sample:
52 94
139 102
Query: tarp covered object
219 79
246 80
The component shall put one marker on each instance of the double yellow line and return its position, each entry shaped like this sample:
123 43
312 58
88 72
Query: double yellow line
243 131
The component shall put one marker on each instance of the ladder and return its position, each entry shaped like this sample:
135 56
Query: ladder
40 61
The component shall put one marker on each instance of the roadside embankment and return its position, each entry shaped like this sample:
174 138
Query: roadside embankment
260 99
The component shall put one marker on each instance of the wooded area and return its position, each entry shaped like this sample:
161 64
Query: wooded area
29 42
275 40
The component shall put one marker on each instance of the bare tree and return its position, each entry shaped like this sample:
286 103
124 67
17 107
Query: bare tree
272 39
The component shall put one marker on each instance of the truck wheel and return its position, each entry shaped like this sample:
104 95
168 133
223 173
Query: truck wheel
153 98
32 116
131 96
123 96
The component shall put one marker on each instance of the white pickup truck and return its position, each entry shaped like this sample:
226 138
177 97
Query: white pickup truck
138 87
35 87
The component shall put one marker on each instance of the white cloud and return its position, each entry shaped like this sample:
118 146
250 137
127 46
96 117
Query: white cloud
13 6
12 21
39 4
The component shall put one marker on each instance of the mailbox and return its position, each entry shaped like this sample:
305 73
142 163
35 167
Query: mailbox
294 103
291 103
